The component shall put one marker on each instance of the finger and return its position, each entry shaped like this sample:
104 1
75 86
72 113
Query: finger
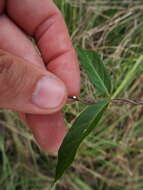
13 40
25 87
43 20
10 38
53 135
2 5
22 117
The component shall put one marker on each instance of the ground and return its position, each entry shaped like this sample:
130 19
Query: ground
111 158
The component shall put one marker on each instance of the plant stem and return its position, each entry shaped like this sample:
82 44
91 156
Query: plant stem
125 82
122 100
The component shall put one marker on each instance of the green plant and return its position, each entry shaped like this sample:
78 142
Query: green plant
110 158
88 119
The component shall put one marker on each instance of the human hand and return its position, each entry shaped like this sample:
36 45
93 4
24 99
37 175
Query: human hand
37 87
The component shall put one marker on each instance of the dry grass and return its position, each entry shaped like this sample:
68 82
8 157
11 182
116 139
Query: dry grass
112 157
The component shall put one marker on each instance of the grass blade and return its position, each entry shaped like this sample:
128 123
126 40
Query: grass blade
129 77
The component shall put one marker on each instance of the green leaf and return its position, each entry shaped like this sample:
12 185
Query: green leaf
82 126
95 69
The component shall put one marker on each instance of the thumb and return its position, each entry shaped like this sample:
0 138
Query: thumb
28 88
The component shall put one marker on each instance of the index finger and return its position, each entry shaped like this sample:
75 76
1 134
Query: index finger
43 20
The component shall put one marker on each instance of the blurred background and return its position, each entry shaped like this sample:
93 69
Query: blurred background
111 158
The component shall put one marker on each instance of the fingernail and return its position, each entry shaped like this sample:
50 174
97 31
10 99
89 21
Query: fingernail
49 93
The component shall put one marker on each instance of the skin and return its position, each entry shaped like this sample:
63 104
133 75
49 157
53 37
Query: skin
43 21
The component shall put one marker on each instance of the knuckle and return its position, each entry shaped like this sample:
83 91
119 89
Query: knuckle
5 64
11 77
